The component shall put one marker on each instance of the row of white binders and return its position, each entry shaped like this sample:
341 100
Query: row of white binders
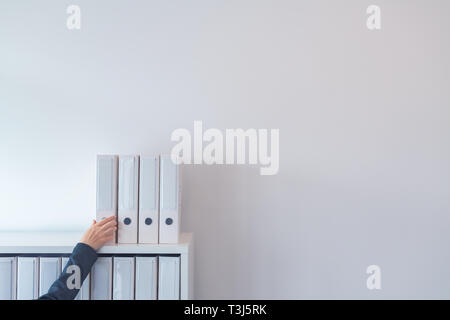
144 193
116 278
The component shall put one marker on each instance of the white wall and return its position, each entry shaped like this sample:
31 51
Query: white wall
364 133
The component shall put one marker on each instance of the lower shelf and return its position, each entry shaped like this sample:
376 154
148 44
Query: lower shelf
31 262
143 277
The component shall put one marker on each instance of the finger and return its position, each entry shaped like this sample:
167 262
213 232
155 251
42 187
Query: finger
93 221
109 238
108 225
106 220
109 231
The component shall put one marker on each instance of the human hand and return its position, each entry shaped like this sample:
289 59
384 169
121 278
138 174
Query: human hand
100 232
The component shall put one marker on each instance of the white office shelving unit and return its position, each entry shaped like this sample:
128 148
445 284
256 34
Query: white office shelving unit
41 243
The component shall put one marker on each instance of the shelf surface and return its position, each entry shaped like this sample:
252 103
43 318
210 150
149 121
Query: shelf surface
63 242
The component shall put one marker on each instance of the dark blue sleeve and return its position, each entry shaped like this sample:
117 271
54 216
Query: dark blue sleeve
84 257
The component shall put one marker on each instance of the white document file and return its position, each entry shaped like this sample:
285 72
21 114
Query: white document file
84 293
123 281
101 279
148 200
169 212
128 199
27 278
8 278
107 171
169 278
49 271
146 278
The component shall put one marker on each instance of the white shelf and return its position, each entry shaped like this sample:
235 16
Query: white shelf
64 242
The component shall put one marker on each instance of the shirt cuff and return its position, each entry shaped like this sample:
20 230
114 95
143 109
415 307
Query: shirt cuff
85 253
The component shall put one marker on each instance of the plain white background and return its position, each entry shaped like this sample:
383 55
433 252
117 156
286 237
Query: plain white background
364 133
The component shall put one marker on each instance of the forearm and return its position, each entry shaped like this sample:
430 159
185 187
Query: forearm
82 256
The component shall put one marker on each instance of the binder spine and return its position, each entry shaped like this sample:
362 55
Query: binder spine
146 278
7 278
169 278
169 201
128 199
148 200
27 278
107 188
49 270
101 279
123 278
